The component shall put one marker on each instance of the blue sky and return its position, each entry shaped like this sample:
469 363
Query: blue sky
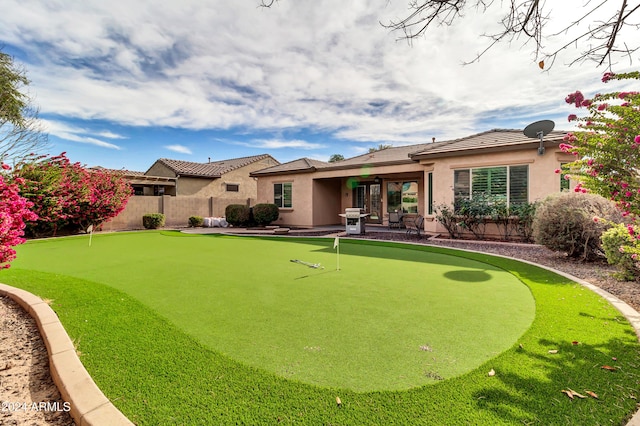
121 83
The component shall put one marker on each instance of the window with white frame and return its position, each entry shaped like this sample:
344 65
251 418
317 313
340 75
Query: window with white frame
282 193
504 183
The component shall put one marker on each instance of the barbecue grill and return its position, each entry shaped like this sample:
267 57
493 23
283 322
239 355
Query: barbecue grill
355 220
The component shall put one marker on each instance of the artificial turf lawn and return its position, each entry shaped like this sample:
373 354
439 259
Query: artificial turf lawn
156 374
389 319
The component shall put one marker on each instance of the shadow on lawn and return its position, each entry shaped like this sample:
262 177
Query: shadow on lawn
467 276
576 366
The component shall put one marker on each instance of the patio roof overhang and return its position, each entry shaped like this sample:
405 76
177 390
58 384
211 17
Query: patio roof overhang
151 180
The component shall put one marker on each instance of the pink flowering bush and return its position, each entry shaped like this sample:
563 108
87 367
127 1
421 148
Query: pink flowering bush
68 197
607 157
14 213
607 148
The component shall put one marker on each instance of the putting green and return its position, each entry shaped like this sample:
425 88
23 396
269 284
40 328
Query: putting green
391 318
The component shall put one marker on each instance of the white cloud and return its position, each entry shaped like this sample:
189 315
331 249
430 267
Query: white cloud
327 66
281 143
79 134
179 148
109 135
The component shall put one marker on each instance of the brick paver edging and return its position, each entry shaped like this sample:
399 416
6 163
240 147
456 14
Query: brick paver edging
89 406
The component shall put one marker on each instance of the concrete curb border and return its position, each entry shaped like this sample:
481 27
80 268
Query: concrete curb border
89 406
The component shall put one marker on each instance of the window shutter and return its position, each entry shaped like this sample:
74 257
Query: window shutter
518 185
491 181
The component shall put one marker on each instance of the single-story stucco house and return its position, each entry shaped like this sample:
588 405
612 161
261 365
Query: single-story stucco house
180 189
415 178
226 178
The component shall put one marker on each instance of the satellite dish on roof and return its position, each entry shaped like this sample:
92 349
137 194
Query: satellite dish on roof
539 130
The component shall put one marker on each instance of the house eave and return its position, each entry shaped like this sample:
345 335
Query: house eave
359 165
197 176
282 172
486 150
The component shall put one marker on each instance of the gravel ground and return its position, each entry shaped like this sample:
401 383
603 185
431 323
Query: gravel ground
24 368
24 373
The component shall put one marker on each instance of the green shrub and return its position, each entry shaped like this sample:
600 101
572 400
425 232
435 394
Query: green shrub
153 220
522 216
447 217
238 214
475 213
615 242
264 214
196 221
564 222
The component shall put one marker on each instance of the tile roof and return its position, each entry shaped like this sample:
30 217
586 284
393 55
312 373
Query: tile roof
122 171
496 139
393 155
300 165
213 169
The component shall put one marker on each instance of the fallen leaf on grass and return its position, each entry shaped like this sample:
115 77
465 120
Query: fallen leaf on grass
608 367
571 393
576 394
492 372
592 394
553 351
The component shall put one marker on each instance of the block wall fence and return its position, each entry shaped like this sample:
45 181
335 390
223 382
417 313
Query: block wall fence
177 210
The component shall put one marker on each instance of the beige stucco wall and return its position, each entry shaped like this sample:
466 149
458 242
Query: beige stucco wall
300 214
176 209
158 169
204 187
319 197
328 202
542 179
314 204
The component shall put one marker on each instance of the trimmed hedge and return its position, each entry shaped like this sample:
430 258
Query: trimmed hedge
238 214
196 221
613 242
153 220
264 214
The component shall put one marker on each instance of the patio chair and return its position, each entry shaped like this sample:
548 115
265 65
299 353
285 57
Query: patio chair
414 225
395 220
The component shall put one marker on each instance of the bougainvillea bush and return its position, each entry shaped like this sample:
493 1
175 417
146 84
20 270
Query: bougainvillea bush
68 197
607 151
14 213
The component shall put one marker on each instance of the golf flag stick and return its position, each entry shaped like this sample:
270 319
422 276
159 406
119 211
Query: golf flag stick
336 245
90 231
